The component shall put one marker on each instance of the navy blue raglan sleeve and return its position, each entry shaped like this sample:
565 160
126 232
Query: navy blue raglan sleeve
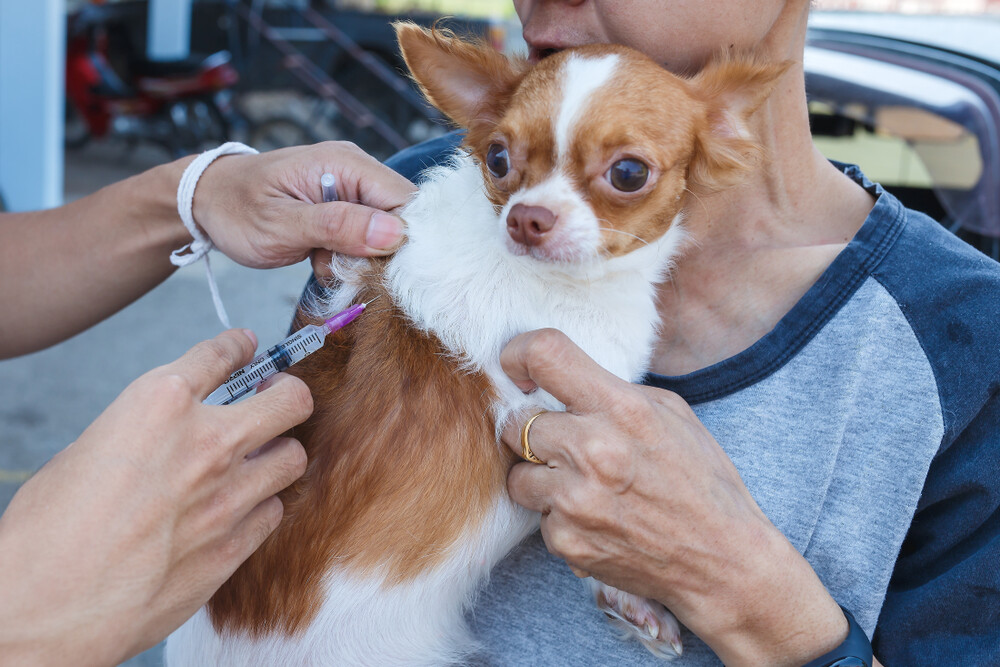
943 602
410 162
942 606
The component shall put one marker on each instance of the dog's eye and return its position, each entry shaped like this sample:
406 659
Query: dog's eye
497 160
628 175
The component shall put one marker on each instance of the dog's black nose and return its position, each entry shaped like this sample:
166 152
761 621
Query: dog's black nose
529 224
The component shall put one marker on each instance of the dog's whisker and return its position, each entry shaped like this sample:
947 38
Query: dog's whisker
693 194
618 231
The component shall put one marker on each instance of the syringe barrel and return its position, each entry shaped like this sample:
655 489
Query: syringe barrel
297 347
293 349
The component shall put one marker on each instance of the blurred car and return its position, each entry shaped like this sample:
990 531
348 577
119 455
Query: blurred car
915 101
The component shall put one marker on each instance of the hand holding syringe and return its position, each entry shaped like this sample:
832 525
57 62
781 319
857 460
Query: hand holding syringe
293 349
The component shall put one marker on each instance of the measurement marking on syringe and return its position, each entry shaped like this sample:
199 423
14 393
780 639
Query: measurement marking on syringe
276 359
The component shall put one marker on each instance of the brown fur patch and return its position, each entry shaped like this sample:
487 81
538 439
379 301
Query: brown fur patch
691 133
402 459
468 81
645 113
732 87
626 118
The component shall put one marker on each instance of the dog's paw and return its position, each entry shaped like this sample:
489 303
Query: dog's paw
642 618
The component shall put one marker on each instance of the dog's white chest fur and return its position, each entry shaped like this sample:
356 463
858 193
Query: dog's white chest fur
456 279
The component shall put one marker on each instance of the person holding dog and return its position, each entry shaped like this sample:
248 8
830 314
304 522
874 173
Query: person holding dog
128 531
808 466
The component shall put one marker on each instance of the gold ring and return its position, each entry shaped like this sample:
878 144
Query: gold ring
526 452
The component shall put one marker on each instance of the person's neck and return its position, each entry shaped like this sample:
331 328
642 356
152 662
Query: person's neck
757 248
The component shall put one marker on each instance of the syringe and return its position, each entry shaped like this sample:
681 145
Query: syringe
328 187
292 350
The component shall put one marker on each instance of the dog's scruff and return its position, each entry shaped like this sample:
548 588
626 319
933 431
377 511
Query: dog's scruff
564 211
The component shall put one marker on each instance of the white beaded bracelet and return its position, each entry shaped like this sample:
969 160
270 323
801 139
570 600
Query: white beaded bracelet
202 244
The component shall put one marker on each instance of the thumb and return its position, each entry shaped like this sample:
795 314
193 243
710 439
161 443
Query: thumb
351 229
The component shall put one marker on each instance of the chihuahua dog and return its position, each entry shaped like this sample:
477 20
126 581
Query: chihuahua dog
564 210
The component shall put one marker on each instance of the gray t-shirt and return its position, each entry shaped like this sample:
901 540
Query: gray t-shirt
832 420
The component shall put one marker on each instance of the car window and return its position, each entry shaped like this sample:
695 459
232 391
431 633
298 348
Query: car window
899 145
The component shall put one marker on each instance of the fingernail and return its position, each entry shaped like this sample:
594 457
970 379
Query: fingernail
251 336
384 231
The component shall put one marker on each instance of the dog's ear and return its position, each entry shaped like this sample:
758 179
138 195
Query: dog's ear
470 82
732 88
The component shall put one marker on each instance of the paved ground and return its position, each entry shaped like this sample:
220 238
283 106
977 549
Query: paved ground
48 398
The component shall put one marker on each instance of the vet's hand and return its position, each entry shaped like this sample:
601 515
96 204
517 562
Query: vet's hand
637 493
266 210
126 533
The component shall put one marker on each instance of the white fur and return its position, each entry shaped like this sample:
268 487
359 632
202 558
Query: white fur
456 278
581 77
367 623
577 235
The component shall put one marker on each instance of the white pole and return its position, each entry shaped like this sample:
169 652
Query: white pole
32 88
168 29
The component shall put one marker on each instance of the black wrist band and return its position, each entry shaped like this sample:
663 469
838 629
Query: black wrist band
855 651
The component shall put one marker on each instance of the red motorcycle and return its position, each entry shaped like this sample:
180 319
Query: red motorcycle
111 89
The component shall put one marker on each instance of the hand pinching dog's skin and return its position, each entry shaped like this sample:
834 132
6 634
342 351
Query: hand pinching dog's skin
565 211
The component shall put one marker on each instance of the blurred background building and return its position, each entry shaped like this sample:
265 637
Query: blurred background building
298 71
184 74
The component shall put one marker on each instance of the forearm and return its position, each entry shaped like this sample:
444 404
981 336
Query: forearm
791 619
63 270
775 611
40 619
